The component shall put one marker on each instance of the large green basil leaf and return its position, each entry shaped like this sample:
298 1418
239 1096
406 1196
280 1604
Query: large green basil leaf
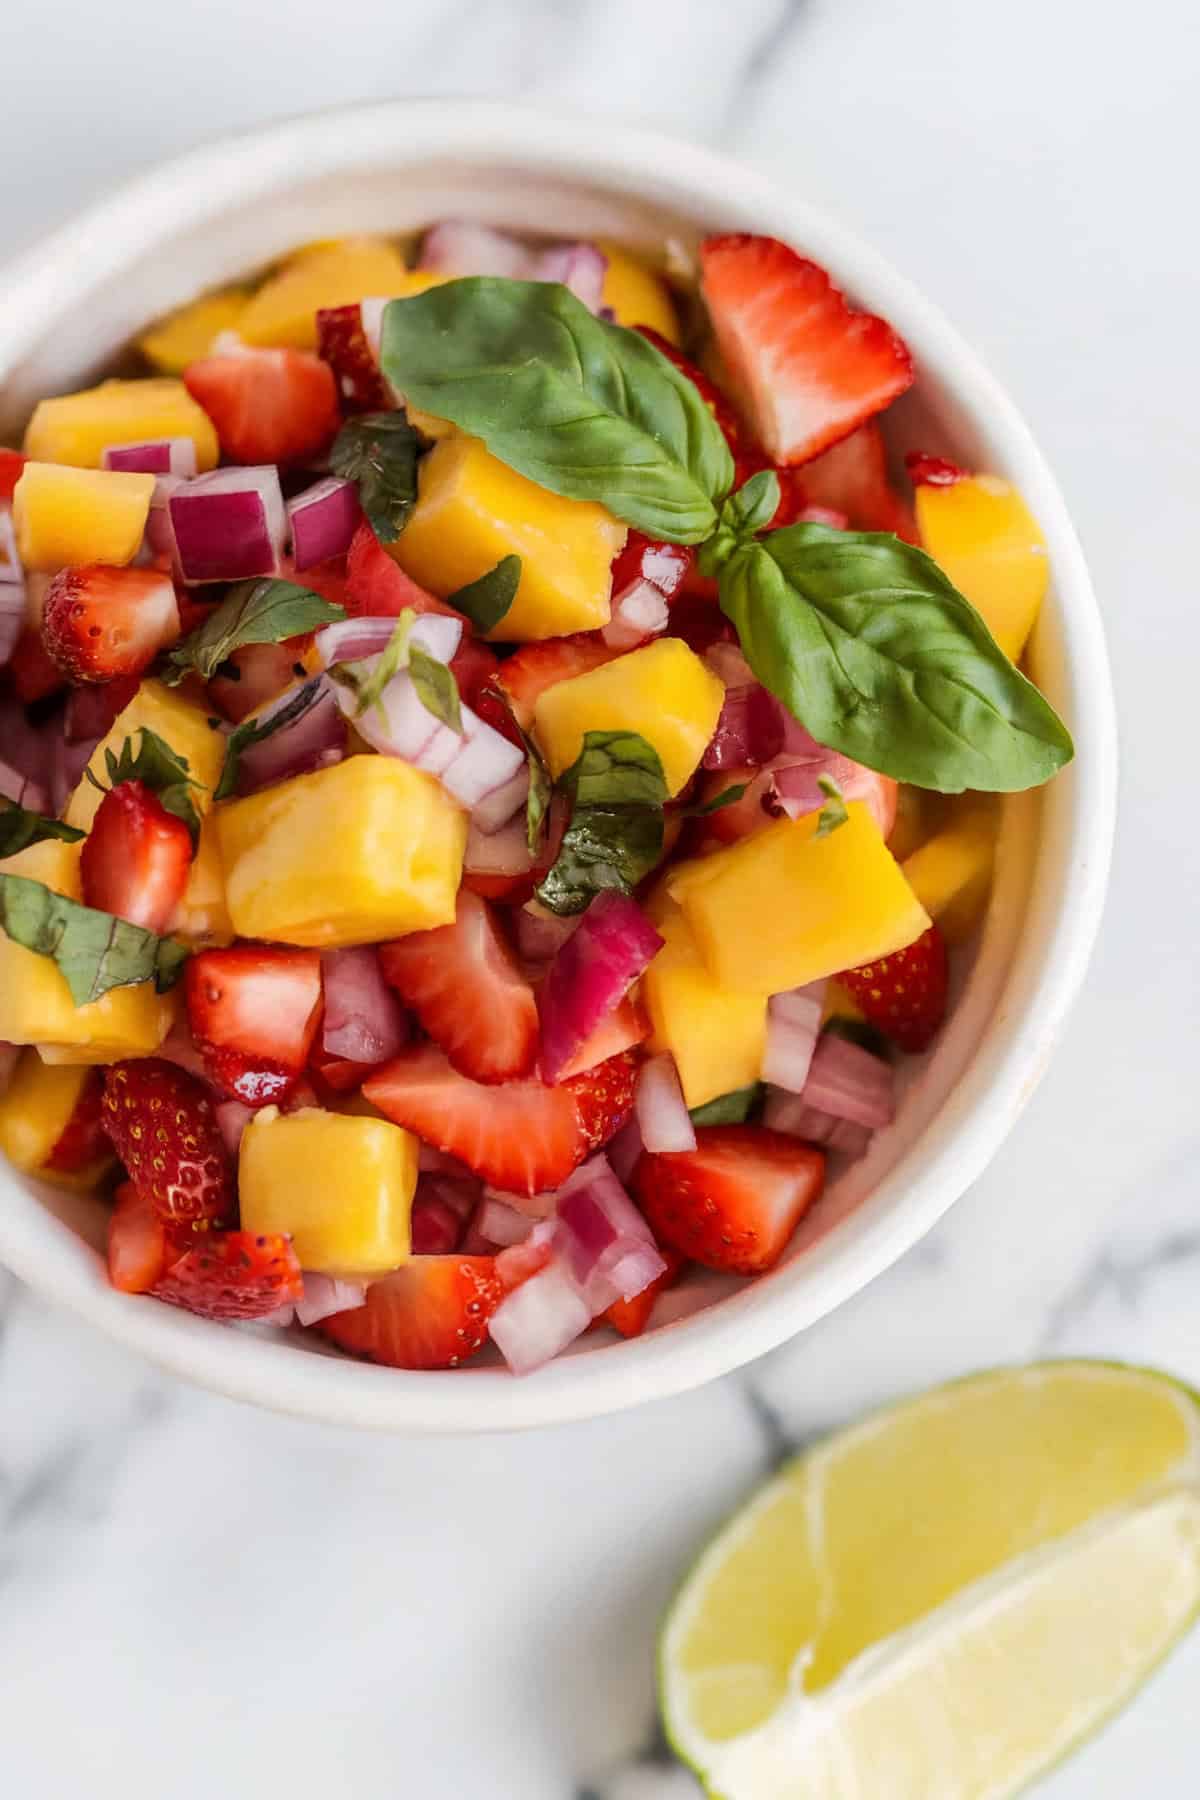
869 645
254 612
19 828
584 408
94 951
379 453
615 836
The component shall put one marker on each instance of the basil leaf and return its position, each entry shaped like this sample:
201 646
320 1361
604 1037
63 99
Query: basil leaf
254 612
19 828
379 453
371 676
253 731
159 768
436 687
587 409
744 514
833 813
486 601
615 835
93 951
729 1109
879 656
727 797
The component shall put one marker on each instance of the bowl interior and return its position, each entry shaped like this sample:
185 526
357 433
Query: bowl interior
215 216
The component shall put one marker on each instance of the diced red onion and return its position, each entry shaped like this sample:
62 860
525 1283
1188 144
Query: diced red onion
456 247
590 975
539 1318
12 573
229 525
793 1027
850 1082
9 1057
22 790
488 775
641 612
598 1228
789 1113
580 267
660 1108
157 456
534 1206
729 665
93 707
504 852
624 1150
461 1192
436 1162
355 640
37 586
436 1228
502 1225
364 1022
314 740
232 1119
12 618
634 1270
750 730
70 760
160 538
323 519
30 752
541 934
851 1139
324 1295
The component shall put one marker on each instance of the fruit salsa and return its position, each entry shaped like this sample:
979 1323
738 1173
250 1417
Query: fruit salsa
494 764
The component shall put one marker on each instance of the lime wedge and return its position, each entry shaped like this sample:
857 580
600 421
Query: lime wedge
946 1598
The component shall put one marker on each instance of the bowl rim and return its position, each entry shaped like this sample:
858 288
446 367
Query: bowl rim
1014 1049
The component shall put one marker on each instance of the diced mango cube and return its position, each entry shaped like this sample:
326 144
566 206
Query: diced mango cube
203 913
67 517
35 1111
364 851
185 336
341 1186
717 1035
636 295
284 310
179 722
78 428
663 691
472 510
786 907
35 1002
983 536
951 875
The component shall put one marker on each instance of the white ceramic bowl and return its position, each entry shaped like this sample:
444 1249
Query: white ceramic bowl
66 308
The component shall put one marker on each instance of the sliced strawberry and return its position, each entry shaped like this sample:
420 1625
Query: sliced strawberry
256 673
431 1314
852 479
233 1275
137 858
12 467
35 675
336 1073
268 406
522 1138
473 665
925 470
623 1028
326 578
83 1140
807 365
698 620
137 1242
465 986
603 1097
376 585
254 1012
734 1201
99 622
904 994
163 1127
630 1317
344 345
536 667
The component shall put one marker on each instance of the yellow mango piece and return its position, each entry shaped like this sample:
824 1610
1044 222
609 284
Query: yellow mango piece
35 1002
34 1113
78 428
717 1035
203 913
983 536
472 510
663 691
67 517
341 1186
951 875
636 295
364 851
179 722
785 907
185 336
284 310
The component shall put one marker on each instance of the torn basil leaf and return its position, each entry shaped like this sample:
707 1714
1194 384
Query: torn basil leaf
19 828
254 612
617 791
94 951
379 453
486 601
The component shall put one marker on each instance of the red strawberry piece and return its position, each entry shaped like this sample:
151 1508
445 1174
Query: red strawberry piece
83 1139
268 406
698 620
233 1275
99 622
630 1317
137 857
473 665
344 345
603 1098
492 708
376 585
256 673
852 479
431 1314
12 467
808 367
522 1138
904 994
336 1073
517 1262
35 675
536 667
734 1201
162 1126
465 986
137 1242
623 1028
925 470
664 566
254 1011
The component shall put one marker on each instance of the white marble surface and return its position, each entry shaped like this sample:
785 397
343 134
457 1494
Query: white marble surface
197 1599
